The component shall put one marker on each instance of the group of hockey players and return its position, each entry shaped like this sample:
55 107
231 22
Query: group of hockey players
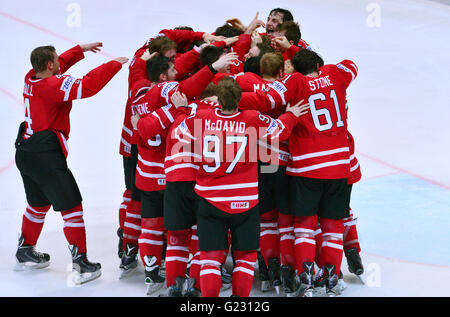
235 147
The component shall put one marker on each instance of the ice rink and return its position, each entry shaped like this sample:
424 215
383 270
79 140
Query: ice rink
399 114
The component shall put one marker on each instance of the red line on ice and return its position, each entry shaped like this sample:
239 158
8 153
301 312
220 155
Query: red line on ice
404 171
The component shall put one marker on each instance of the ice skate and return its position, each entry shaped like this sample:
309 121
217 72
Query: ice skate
83 270
354 263
190 290
28 258
263 274
290 280
129 261
153 280
226 279
331 281
306 279
175 290
274 274
120 251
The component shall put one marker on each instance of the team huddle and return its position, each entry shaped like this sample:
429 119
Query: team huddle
235 146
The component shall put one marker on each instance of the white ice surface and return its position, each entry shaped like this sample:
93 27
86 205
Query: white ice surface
399 114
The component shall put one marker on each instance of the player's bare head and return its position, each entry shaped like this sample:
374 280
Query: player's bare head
289 29
259 50
277 16
45 58
306 61
229 93
164 46
227 31
209 54
160 68
272 65
210 91
251 65
184 27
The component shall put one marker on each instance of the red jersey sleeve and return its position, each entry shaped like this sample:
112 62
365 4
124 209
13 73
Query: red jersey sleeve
241 48
138 71
183 38
276 129
290 52
347 71
187 63
194 86
70 58
63 88
277 94
157 122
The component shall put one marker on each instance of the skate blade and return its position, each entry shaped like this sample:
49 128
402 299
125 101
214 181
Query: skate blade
30 266
341 286
277 289
265 286
361 278
124 273
308 293
153 287
82 278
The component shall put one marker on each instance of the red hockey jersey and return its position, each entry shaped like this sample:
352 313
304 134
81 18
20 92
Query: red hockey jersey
48 101
319 145
228 175
150 174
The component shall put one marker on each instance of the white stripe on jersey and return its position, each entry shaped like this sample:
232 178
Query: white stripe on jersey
181 154
321 153
125 142
148 175
317 166
353 168
234 198
148 163
127 130
186 165
233 186
160 121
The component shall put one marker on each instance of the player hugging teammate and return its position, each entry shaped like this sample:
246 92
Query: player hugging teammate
235 146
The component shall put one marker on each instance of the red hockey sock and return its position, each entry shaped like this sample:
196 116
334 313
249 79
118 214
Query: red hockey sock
32 223
350 233
332 245
151 239
305 244
126 199
74 229
132 224
287 249
177 255
269 236
318 236
210 274
194 271
243 272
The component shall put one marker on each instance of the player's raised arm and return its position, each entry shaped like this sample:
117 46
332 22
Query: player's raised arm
71 88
